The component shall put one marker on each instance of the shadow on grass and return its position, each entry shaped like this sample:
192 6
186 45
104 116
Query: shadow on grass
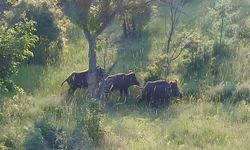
133 54
119 107
28 77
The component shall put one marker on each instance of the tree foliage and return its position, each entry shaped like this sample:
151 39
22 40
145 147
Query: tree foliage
15 44
49 47
135 17
93 17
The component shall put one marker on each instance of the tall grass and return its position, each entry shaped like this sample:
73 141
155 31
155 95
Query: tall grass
199 125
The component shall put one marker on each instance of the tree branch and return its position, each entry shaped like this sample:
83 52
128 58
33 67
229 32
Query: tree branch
87 34
173 58
168 4
120 7
105 23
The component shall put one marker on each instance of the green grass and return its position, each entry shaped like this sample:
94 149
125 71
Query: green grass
183 126
28 77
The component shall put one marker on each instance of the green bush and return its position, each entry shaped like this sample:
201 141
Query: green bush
16 42
244 30
49 45
222 51
10 143
35 140
44 135
229 92
3 147
242 93
92 122
154 71
222 92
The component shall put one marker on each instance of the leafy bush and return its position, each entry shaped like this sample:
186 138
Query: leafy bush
222 92
154 71
49 45
191 88
15 47
92 122
221 50
244 29
45 135
35 140
228 92
242 93
3 147
10 143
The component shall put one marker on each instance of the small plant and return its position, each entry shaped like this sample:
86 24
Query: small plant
92 122
242 93
222 92
154 71
45 135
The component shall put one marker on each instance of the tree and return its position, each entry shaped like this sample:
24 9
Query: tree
135 16
4 5
15 44
222 13
93 17
175 7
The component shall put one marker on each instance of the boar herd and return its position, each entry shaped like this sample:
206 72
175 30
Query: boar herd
158 91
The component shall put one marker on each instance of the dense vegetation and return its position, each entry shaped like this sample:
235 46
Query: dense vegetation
204 44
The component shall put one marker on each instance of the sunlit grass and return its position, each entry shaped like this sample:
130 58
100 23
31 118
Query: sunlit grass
182 126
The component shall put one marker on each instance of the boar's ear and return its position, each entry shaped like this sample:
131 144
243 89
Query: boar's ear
175 81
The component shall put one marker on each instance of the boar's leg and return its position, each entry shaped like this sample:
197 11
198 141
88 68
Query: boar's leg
126 92
71 90
121 92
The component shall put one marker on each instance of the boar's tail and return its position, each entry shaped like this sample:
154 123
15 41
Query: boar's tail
64 81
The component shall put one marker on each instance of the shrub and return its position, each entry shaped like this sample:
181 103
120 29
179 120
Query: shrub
3 147
49 45
244 29
191 88
16 43
92 122
154 71
221 92
242 93
35 140
9 143
229 92
222 51
45 135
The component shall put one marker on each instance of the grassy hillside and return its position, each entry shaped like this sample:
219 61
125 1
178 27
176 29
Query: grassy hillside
213 114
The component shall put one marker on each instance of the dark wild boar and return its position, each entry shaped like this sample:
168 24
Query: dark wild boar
79 79
159 91
120 82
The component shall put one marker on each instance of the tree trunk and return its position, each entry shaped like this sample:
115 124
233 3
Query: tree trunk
134 27
92 82
168 66
221 30
125 33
